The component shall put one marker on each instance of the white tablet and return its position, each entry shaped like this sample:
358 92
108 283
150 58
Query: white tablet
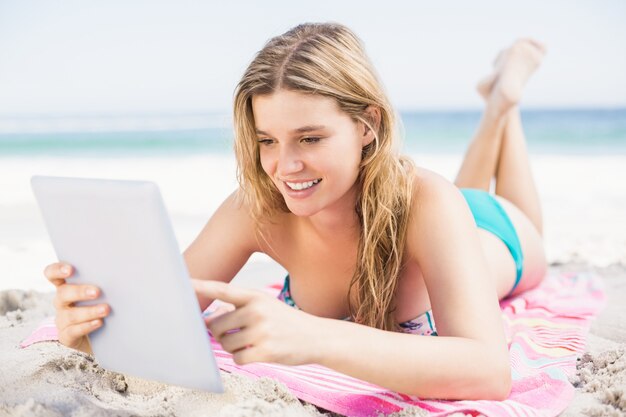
118 236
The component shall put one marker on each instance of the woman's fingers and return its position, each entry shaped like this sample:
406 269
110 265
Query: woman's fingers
77 315
58 272
70 293
248 355
224 292
237 340
232 321
74 323
74 333
221 309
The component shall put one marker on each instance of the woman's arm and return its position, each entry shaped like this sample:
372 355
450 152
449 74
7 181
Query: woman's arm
469 359
224 244
425 366
263 329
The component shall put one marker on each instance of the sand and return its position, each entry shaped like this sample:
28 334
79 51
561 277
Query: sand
585 217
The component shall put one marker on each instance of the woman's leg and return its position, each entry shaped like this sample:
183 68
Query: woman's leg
514 179
499 146
481 158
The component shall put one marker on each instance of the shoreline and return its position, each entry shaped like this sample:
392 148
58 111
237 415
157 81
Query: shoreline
583 203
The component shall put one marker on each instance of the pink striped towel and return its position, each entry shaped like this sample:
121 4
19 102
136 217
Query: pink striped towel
546 330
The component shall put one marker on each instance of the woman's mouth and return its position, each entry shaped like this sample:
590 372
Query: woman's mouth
299 186
301 189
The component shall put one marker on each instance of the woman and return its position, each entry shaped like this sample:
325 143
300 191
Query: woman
392 249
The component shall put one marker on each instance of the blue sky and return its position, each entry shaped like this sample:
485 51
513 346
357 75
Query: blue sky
186 56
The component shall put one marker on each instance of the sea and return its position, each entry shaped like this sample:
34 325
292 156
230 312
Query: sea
548 131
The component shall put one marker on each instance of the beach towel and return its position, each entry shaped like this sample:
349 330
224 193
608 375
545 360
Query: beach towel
545 327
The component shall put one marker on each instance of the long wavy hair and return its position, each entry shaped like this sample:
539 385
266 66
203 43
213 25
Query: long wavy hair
328 59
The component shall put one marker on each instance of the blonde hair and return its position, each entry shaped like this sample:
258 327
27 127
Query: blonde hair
329 60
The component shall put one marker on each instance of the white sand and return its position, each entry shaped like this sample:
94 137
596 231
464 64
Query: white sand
585 228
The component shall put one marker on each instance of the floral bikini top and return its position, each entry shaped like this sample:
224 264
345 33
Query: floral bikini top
423 325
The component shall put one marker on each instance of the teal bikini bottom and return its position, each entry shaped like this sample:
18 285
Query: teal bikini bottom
490 215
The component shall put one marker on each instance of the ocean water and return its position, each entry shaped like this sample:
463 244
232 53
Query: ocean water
566 131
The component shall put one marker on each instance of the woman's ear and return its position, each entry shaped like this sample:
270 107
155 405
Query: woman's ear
372 115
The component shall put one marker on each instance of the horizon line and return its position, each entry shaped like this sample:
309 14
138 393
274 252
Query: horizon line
223 112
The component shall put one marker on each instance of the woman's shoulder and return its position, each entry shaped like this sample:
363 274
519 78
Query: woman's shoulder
434 200
270 227
429 185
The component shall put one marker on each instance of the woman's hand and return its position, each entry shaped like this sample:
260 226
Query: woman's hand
260 328
74 323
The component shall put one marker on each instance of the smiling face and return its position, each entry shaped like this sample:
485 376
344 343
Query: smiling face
310 149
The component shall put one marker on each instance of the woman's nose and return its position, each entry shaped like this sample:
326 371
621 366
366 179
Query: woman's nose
289 162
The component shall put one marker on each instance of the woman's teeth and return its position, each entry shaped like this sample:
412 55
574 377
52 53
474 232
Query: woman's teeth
302 185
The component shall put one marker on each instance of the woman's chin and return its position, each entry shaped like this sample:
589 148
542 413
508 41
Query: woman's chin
301 213
300 210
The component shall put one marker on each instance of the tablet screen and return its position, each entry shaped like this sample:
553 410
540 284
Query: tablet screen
118 236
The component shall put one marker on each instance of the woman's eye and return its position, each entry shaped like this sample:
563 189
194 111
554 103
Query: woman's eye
265 141
311 140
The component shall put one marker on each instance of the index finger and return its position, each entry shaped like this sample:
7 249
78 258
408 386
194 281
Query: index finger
222 291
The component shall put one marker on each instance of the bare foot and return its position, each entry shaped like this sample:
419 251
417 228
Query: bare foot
512 68
485 85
